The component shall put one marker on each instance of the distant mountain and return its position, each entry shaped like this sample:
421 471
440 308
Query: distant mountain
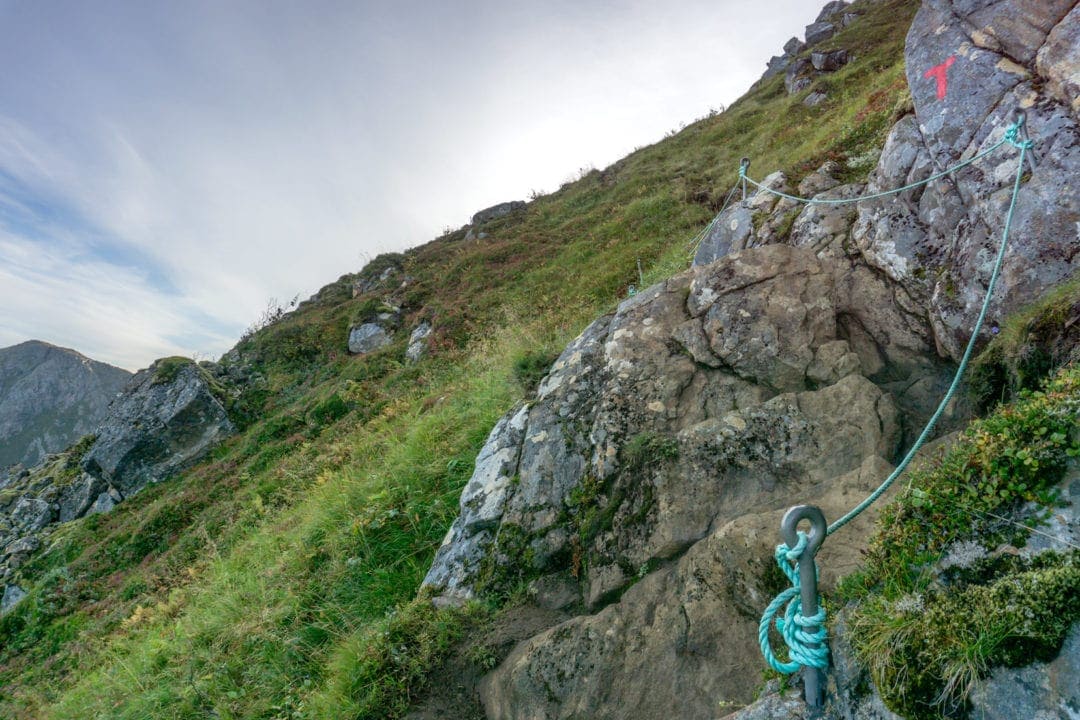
49 397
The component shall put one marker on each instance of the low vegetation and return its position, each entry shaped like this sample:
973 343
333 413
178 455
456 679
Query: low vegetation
278 578
927 631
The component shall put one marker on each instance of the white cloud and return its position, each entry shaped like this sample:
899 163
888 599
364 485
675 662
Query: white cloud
204 157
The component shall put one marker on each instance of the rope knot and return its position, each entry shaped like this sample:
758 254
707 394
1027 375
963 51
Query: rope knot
1012 136
804 648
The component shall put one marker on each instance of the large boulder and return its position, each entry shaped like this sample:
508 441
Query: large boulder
497 211
939 242
166 419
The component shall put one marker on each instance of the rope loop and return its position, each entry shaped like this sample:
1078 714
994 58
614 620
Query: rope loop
1012 134
805 649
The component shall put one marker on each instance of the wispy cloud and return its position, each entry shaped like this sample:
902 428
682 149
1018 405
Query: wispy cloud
166 168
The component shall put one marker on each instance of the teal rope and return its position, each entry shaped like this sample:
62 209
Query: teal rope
804 648
1011 135
810 649
1024 146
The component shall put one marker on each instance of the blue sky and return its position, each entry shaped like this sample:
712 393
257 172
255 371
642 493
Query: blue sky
168 167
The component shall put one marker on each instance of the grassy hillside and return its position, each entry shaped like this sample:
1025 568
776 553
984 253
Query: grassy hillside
276 580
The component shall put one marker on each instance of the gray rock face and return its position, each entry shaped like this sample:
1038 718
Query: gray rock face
367 338
13 595
157 427
1058 61
828 61
49 398
819 32
497 211
1042 690
662 447
418 342
798 76
939 242
830 9
728 234
77 498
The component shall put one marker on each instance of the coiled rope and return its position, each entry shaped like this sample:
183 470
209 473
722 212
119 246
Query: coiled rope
810 649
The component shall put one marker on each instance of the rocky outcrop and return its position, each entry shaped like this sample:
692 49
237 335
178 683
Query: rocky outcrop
166 419
643 485
497 211
367 338
418 342
939 242
49 398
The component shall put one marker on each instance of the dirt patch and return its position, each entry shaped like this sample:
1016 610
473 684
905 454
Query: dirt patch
453 687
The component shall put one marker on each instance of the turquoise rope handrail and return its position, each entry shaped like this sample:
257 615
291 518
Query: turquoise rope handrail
810 649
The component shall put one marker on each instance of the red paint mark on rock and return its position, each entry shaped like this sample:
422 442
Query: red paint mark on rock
939 73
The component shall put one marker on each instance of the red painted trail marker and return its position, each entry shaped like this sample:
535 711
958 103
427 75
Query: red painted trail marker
939 73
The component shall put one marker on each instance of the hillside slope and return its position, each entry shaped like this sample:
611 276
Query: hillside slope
50 397
280 578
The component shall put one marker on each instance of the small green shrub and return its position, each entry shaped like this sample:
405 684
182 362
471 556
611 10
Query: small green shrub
166 369
647 449
531 367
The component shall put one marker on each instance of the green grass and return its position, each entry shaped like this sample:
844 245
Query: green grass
278 578
926 641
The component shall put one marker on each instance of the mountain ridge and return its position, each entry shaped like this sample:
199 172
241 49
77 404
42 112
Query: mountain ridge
49 397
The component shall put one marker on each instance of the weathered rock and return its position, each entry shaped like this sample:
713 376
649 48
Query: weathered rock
679 641
940 242
49 398
828 60
729 233
815 98
13 595
367 338
165 420
793 46
104 503
825 228
497 211
483 502
1041 690
776 65
822 179
418 342
1058 61
764 312
798 76
1015 29
76 498
830 9
819 32
30 514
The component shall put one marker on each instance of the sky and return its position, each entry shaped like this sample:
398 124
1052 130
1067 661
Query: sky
169 167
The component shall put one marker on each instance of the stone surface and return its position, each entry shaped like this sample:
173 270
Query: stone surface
1058 61
497 211
729 233
826 227
418 342
819 32
30 514
76 498
157 427
939 242
815 98
13 594
797 77
1041 691
828 60
367 338
49 398
830 9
